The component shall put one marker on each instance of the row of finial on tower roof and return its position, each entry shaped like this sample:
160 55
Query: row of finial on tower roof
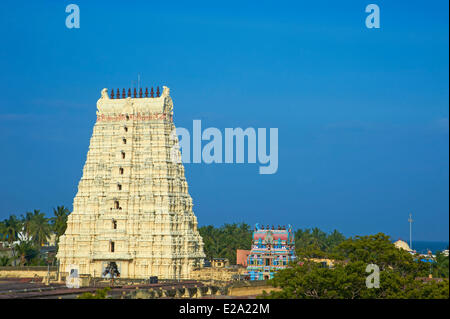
273 228
135 93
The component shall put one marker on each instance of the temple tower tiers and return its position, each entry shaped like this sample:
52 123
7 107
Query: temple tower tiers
132 207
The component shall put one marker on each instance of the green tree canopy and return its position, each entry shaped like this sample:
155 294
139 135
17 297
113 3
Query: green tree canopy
26 251
399 272
59 220
5 261
225 240
316 239
441 267
10 229
38 227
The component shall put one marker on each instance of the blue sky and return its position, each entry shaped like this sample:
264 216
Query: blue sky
362 113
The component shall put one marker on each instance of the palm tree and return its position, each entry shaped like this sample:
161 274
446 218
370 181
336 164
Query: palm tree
59 221
26 251
335 238
11 229
39 228
26 221
5 261
2 231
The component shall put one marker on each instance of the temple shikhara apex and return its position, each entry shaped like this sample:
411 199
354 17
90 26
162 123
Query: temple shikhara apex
132 212
272 250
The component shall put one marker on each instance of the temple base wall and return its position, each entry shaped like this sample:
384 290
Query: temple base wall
139 269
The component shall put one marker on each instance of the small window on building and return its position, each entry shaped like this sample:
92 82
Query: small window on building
116 204
112 246
125 129
124 141
119 187
114 223
123 155
121 171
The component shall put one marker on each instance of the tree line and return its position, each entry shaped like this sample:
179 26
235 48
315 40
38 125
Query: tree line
29 232
401 274
399 270
223 241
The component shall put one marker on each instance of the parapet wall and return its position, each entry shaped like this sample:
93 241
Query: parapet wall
216 274
26 272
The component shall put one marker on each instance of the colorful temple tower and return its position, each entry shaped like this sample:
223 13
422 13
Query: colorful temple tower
272 250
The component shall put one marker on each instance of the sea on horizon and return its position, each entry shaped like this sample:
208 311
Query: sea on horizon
423 246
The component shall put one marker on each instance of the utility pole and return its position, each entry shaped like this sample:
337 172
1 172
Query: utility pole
48 270
57 270
410 220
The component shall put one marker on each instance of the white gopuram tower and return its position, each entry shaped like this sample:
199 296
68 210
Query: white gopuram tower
132 210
